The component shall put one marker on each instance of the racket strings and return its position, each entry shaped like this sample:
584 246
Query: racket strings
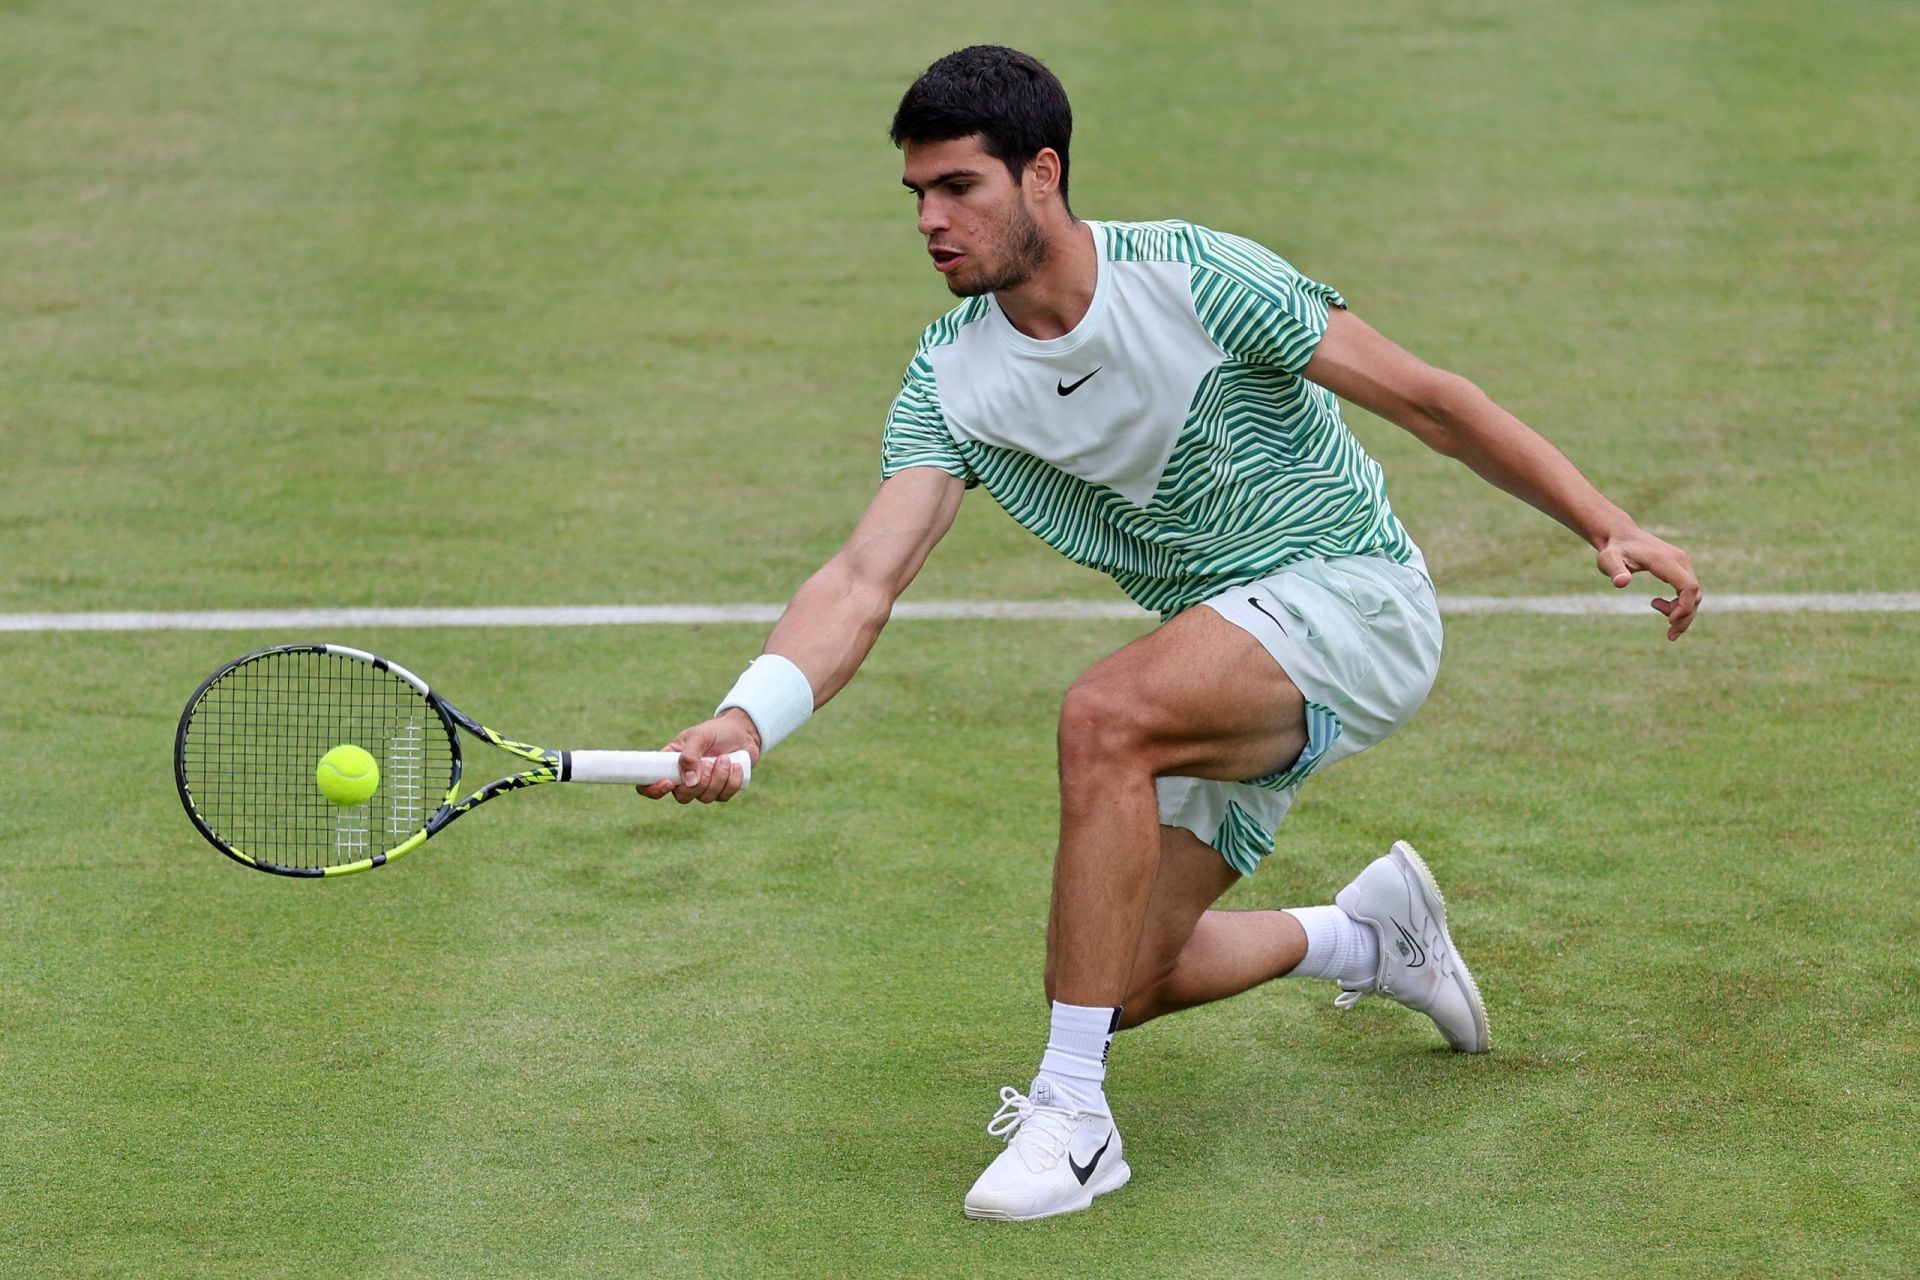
404 778
255 738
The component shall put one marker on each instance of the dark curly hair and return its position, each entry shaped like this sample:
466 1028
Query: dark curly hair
1009 98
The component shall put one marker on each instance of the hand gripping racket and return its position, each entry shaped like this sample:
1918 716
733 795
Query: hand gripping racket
253 735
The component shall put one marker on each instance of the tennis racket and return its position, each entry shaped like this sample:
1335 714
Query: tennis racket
252 737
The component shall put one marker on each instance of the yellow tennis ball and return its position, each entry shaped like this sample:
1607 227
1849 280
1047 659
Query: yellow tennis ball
347 775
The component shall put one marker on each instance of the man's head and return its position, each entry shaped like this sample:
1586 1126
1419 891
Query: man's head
985 134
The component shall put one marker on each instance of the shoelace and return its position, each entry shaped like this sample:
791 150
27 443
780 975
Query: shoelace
1041 1131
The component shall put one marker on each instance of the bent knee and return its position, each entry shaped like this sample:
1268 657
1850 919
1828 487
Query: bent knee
1099 721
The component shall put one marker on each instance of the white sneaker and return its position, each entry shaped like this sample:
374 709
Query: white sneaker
1056 1160
1419 966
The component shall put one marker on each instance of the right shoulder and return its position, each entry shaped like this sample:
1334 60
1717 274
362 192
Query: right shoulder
945 330
917 433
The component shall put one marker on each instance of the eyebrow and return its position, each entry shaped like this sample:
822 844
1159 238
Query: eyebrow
940 180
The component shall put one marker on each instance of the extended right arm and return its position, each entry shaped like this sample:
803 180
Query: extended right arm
832 621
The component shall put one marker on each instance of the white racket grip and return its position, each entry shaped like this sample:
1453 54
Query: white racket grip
635 768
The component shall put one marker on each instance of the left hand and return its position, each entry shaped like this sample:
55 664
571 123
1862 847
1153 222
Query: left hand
1638 551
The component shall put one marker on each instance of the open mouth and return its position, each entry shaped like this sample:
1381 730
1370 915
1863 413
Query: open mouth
945 259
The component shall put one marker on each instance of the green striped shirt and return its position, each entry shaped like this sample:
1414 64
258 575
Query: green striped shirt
1169 440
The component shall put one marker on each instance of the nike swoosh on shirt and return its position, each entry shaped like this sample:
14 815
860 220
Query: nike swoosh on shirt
1067 389
1078 1172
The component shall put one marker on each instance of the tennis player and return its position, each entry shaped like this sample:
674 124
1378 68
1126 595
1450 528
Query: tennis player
1159 401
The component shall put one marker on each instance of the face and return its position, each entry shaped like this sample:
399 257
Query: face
979 230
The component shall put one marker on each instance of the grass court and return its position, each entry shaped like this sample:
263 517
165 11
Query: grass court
347 303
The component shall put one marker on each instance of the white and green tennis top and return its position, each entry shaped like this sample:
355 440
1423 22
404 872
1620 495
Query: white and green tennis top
1169 440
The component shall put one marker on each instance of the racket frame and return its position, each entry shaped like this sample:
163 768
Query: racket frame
548 766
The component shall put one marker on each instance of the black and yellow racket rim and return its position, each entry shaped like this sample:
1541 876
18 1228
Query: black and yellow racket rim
251 739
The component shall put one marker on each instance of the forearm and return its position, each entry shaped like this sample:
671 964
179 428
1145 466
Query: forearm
831 623
1465 423
830 626
826 632
1452 416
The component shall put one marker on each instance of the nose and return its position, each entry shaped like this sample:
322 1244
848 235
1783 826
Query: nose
932 218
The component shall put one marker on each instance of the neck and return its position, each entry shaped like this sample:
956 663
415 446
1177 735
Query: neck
1056 297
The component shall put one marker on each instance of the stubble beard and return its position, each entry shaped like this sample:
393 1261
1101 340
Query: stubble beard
1026 253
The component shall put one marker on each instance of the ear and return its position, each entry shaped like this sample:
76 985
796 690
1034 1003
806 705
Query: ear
1043 174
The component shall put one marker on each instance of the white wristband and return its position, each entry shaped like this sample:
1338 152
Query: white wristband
775 695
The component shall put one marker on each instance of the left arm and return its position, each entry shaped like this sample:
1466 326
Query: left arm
1452 416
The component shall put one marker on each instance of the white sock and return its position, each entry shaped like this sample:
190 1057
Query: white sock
1338 946
1076 1059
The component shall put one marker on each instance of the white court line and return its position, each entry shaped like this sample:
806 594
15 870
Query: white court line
287 620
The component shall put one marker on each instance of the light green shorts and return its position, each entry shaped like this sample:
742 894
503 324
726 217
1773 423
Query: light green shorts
1359 636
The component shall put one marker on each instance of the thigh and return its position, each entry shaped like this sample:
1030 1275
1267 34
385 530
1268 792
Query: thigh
1359 636
1198 697
1191 878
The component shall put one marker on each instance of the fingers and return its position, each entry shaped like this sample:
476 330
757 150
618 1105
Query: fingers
1685 604
1613 563
722 781
709 780
665 787
693 750
705 771
1681 609
1667 563
715 780
688 748
1677 621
